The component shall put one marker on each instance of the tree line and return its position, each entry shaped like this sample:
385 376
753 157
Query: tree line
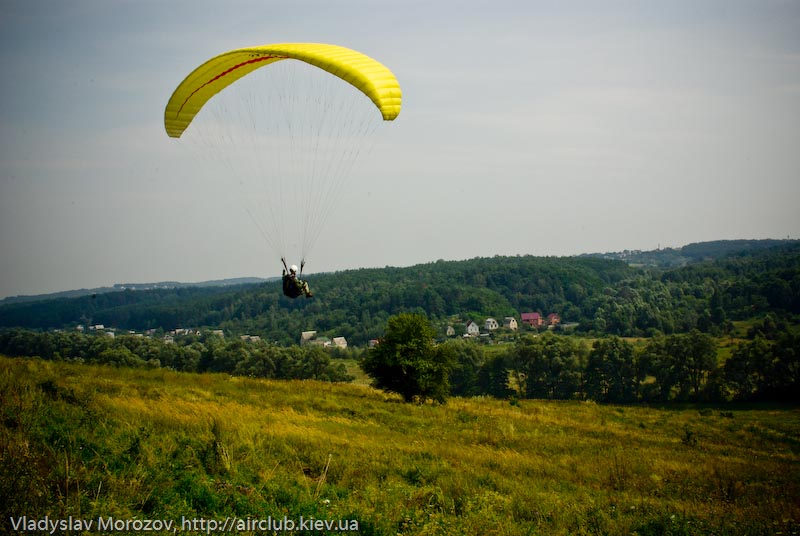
605 297
667 368
193 353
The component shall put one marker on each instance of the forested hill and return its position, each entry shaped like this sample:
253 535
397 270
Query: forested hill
699 251
601 295
77 293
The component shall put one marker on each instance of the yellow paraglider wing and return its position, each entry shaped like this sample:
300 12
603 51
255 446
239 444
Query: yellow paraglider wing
369 76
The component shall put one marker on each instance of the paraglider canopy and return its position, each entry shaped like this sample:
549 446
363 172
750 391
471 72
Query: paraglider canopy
285 123
367 75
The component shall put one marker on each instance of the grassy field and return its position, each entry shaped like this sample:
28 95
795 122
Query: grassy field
124 444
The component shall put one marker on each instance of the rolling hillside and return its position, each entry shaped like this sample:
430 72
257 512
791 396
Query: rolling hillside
600 295
113 446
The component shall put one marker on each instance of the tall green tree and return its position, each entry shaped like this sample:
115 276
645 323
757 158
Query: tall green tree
465 375
551 366
406 360
765 370
613 373
681 364
700 361
747 370
493 376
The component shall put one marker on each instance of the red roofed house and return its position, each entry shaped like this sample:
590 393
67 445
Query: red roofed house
553 319
534 320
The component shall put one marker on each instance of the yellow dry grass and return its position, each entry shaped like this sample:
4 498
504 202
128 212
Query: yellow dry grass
251 447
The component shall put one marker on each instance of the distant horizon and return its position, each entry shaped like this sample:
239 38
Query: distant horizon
257 279
536 128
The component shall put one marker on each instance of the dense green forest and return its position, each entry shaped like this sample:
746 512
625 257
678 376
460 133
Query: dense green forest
601 296
682 312
700 251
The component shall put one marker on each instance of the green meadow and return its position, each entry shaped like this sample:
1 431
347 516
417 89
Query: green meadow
97 442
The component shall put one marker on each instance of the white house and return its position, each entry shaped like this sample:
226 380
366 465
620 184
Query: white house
472 329
451 332
340 342
510 322
491 324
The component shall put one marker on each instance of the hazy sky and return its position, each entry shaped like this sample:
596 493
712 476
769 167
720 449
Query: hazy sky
545 128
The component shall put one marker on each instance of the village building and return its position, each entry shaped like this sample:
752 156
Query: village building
472 329
325 342
510 322
491 324
534 320
306 337
310 338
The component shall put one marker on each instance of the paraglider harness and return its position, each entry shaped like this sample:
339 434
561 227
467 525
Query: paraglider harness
293 286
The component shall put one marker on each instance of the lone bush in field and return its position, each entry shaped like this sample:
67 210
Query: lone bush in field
406 360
